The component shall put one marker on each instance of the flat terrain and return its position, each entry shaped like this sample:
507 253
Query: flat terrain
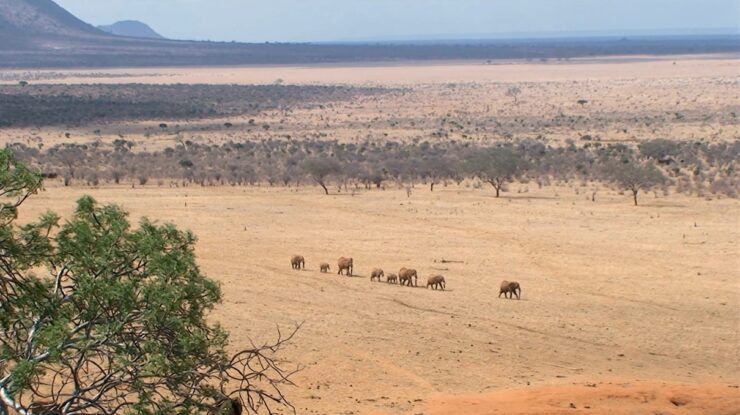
628 100
611 292
626 310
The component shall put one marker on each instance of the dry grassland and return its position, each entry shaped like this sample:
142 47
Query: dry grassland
624 309
610 291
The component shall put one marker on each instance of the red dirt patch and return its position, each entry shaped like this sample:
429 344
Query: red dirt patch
603 398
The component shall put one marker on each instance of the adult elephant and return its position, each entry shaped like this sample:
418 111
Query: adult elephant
345 264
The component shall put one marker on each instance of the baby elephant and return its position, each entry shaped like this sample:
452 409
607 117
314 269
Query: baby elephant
324 267
509 290
436 282
345 264
297 262
392 279
377 274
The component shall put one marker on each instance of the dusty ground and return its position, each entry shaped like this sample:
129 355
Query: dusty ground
610 292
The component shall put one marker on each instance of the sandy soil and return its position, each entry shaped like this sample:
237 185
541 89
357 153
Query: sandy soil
612 293
409 74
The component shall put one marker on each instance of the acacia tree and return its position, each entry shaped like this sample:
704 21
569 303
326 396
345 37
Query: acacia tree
634 176
514 92
497 166
97 317
320 169
436 168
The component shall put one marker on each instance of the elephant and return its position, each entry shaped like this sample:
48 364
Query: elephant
436 282
345 264
297 262
509 290
377 274
392 279
324 267
407 277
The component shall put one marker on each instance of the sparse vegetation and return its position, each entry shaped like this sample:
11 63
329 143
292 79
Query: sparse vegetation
369 165
42 105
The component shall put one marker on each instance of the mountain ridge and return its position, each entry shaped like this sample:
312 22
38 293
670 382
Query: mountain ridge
41 34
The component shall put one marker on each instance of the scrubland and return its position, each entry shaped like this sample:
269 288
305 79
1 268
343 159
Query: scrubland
625 309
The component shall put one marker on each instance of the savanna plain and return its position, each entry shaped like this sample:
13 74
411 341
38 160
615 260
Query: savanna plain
624 309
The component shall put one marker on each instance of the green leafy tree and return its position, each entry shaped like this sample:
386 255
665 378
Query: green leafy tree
634 176
497 166
99 317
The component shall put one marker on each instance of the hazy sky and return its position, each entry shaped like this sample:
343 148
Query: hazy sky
327 20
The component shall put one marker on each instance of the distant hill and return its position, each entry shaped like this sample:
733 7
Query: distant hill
41 17
131 28
40 34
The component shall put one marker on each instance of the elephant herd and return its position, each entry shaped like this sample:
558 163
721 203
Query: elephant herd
345 266
406 276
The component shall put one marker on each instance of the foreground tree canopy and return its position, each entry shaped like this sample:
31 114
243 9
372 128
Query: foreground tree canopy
98 317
